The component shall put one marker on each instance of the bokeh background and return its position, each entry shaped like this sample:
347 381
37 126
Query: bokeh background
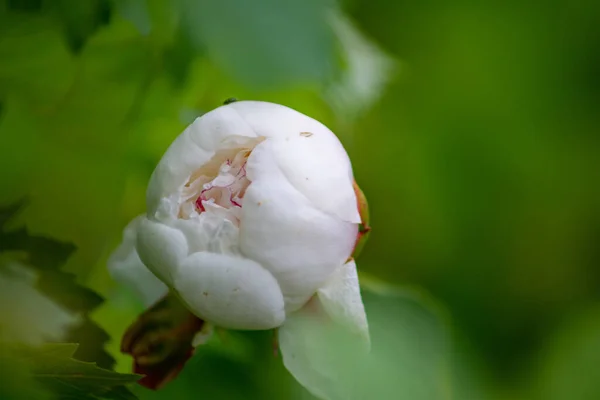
473 128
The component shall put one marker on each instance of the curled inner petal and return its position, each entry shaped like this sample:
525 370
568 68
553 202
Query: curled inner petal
220 184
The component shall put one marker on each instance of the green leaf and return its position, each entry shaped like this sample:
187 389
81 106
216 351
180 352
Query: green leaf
28 316
81 19
16 381
9 212
46 256
266 42
53 366
178 58
43 252
136 11
25 5
119 393
410 355
568 368
36 64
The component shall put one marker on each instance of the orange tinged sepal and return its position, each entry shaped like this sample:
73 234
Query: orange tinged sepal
364 228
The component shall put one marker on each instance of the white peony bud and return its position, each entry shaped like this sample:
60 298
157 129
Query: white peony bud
252 212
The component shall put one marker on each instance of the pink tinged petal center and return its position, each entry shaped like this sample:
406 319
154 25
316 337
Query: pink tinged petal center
219 185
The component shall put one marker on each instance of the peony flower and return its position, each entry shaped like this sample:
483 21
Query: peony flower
252 219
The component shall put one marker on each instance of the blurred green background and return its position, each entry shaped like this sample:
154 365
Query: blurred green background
473 128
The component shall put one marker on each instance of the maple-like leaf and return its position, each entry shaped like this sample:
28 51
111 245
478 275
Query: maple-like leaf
45 256
53 368
78 367
28 316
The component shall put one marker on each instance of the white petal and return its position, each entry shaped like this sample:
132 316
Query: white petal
230 292
281 229
208 232
125 267
341 300
308 153
321 355
161 248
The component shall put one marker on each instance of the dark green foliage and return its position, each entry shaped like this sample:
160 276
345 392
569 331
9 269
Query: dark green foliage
54 369
68 370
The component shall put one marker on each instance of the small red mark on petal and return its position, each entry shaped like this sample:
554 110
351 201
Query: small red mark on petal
235 203
199 205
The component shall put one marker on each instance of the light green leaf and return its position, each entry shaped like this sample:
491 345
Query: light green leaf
569 364
53 367
410 348
16 381
26 315
81 19
265 42
41 302
36 64
136 11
